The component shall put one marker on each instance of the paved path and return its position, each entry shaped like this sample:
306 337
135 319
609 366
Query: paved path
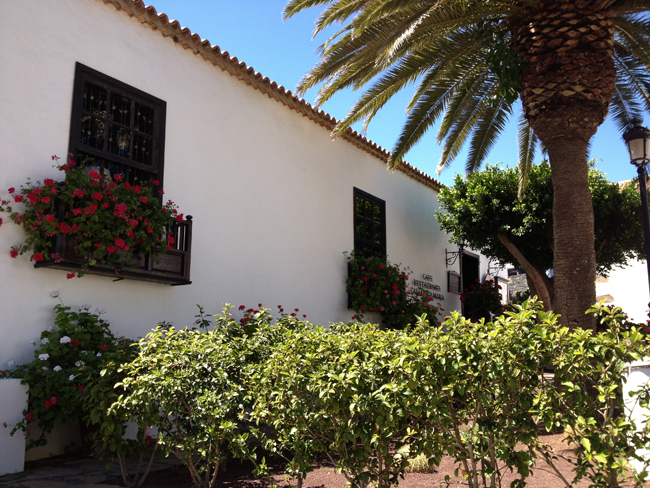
72 472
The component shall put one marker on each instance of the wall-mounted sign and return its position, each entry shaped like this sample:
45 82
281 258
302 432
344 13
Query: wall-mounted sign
426 283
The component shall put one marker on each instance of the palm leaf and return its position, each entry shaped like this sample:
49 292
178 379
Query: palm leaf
527 141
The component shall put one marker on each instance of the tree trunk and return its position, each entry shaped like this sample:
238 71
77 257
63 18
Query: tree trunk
574 259
532 273
567 85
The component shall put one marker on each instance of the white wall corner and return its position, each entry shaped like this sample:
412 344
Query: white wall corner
13 401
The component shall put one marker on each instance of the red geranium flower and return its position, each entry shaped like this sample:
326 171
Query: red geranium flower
65 228
49 218
38 257
18 198
45 199
119 242
242 307
71 275
11 190
127 185
117 177
111 249
97 196
48 182
14 252
104 347
95 175
29 416
144 199
156 182
121 207
74 342
78 193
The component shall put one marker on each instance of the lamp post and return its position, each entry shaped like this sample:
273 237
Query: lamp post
636 137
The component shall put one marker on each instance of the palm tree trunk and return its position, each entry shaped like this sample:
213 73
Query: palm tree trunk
567 84
574 259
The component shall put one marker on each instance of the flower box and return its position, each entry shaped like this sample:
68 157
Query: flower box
172 267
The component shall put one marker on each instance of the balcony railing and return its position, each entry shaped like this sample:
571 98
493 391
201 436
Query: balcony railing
172 268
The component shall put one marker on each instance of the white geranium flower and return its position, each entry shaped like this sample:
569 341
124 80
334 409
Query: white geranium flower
50 328
79 364
65 340
84 352
10 364
45 368
86 306
71 377
107 322
54 294
99 354
45 340
57 368
100 310
44 357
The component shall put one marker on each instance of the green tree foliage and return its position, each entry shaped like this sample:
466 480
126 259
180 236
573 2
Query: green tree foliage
485 204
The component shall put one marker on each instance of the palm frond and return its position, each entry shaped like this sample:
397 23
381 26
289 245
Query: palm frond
462 114
527 141
486 130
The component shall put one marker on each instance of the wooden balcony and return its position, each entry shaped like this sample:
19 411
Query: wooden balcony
171 268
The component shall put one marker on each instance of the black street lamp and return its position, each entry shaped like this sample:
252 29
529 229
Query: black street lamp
636 137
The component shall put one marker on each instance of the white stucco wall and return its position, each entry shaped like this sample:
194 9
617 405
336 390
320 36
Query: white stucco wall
271 194
629 288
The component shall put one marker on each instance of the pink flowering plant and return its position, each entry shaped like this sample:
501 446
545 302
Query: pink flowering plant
481 300
376 285
69 355
108 218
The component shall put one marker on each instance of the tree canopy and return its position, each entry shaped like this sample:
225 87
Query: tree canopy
479 207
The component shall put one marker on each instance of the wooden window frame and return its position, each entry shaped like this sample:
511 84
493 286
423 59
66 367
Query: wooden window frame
85 74
359 241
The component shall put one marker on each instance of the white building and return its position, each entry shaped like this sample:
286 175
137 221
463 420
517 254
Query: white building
270 193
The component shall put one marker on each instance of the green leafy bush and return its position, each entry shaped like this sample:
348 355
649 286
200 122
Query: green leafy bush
376 285
194 380
586 398
342 392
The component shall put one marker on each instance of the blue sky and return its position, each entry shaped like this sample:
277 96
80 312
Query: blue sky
253 31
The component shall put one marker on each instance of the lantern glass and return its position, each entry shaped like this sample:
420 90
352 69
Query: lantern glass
638 152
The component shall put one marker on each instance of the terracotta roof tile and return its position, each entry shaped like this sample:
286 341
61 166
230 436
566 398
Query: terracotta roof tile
148 15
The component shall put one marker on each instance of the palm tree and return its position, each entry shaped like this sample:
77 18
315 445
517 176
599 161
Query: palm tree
469 61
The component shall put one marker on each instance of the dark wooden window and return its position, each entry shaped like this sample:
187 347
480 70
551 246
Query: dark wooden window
369 224
118 128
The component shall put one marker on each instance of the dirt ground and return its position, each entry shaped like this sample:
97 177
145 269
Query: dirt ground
324 476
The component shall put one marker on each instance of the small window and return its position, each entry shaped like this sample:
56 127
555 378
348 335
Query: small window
369 224
120 128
